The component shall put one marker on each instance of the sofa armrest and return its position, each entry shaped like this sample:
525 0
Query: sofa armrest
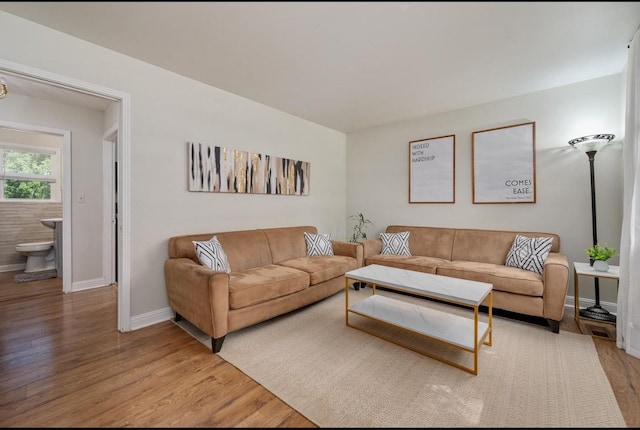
556 284
371 247
198 294
348 249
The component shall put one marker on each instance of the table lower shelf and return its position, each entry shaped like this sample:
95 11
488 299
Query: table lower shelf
449 328
596 328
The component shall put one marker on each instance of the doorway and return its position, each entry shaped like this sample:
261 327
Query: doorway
31 135
70 86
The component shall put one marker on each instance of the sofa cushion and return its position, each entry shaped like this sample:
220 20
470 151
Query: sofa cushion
211 255
529 253
322 268
428 241
287 243
318 244
261 284
471 270
245 248
395 243
503 278
518 281
408 262
489 246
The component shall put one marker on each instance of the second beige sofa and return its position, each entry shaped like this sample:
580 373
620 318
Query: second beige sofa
480 255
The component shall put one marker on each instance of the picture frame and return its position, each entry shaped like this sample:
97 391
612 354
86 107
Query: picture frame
216 169
504 164
432 170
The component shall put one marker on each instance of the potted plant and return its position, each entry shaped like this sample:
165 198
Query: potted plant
599 255
359 234
359 228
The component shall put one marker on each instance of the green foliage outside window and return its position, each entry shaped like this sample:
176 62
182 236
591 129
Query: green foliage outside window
35 190
27 163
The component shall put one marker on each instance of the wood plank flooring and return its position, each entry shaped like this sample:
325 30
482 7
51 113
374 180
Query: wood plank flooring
64 364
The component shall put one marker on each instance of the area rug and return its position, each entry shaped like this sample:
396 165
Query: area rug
35 276
338 376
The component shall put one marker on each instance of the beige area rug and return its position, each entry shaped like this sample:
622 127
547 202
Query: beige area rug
338 376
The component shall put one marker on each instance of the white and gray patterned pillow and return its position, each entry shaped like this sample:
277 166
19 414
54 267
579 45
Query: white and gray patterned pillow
211 254
318 244
529 253
395 243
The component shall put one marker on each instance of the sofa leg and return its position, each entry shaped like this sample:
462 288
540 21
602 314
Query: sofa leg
357 285
216 344
178 317
555 325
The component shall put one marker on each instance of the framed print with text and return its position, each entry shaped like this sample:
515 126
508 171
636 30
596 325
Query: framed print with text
504 164
432 170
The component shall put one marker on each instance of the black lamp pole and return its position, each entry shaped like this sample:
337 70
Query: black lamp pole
594 223
596 311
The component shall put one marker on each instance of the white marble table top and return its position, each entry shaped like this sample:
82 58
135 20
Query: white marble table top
436 286
587 270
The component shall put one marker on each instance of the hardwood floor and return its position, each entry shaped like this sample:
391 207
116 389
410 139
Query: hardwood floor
64 364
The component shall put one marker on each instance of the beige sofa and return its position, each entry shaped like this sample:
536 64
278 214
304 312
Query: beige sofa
480 255
270 275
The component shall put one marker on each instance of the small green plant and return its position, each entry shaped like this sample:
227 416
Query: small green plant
601 253
359 228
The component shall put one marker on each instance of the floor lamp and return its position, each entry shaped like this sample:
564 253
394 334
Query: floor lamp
590 145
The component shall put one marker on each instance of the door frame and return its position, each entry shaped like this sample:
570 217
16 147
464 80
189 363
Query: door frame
124 170
109 232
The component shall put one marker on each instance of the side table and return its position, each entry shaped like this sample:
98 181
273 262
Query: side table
585 269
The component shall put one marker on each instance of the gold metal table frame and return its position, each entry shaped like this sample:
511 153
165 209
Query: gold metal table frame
585 269
479 338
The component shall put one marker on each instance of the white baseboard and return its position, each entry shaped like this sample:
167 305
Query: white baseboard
88 284
12 267
585 303
150 318
75 286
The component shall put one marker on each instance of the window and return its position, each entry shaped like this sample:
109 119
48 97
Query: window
29 173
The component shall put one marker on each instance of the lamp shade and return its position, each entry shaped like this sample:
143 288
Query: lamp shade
595 142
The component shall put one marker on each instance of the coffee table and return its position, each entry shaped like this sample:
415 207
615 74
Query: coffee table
458 331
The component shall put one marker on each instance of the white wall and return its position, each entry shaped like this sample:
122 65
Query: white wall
378 159
168 110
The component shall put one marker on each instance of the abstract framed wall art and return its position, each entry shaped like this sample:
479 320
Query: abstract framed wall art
217 169
504 164
432 164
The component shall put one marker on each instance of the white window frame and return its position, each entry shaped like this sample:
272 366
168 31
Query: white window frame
55 178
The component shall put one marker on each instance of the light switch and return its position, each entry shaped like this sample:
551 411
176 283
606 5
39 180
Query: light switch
81 198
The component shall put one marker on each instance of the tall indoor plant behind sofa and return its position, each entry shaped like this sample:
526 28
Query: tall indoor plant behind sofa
270 274
480 255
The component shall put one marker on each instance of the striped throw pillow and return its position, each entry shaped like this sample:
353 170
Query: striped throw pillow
395 243
318 244
211 255
529 253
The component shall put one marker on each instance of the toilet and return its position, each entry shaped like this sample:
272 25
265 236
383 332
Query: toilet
40 255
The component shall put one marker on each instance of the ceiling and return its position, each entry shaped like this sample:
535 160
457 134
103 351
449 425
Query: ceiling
352 66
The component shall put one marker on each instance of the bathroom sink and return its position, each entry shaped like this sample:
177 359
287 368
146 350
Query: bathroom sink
50 222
